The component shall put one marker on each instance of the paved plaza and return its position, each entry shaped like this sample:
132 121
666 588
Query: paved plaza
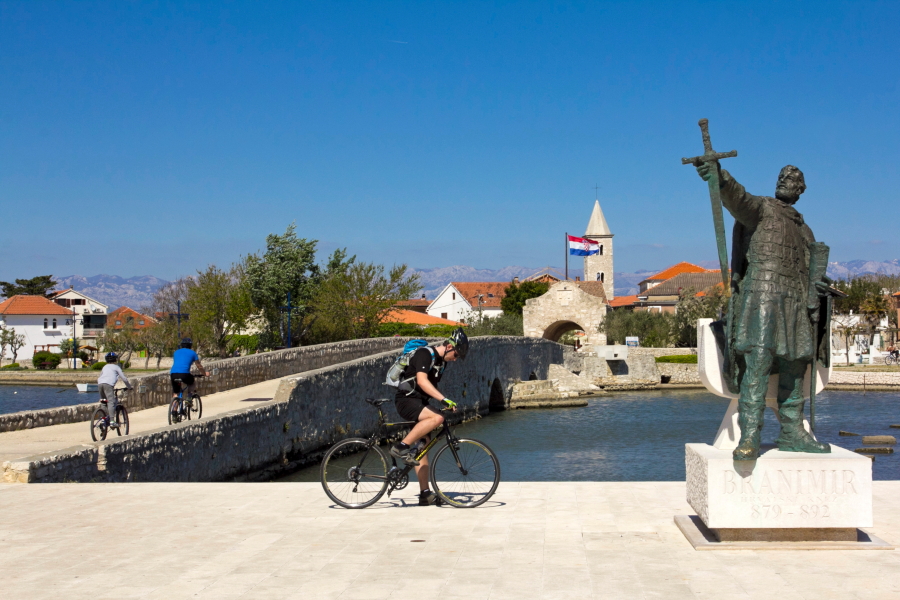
285 541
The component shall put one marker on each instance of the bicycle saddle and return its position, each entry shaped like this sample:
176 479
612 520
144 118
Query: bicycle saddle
377 401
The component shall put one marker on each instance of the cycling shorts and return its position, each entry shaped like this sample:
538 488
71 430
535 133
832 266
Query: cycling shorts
187 378
410 408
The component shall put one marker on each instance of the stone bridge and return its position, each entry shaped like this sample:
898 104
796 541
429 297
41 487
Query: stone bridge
310 411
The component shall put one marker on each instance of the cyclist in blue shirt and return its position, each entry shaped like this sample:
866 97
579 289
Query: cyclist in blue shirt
182 361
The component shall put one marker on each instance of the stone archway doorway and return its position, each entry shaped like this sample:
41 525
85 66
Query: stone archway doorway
556 330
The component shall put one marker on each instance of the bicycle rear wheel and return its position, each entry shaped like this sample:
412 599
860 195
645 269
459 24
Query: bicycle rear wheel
99 424
175 415
472 480
122 420
196 407
354 474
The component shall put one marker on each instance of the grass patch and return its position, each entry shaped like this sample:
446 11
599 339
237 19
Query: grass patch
682 359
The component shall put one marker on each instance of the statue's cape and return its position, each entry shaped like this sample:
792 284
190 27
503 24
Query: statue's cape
733 365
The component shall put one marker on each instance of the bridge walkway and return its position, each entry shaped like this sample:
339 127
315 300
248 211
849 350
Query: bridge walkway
29 442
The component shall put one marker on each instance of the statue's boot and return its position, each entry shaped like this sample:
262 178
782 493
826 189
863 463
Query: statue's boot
794 437
750 419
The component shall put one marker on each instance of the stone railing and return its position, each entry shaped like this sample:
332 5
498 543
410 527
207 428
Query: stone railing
309 413
156 389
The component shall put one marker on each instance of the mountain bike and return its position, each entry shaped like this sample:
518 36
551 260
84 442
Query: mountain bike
184 409
892 359
356 472
100 420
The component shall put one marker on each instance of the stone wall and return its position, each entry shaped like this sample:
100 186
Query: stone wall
657 352
678 373
309 413
565 307
156 389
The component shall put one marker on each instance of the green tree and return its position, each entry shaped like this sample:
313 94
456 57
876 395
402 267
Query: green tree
355 297
286 267
219 305
516 294
12 340
654 329
873 309
159 339
690 307
36 286
505 324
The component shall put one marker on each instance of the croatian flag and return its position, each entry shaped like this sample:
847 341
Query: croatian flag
582 247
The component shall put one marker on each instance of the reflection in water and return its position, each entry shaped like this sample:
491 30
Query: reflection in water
640 436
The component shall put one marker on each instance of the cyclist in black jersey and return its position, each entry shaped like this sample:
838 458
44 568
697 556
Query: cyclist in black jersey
426 366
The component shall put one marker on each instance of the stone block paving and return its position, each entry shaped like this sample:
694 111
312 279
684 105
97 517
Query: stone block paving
272 541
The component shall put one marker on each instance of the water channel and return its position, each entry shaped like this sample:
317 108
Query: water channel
640 436
16 398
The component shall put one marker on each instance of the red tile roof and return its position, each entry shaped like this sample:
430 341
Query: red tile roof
593 288
623 301
400 315
123 312
682 267
414 302
31 305
491 292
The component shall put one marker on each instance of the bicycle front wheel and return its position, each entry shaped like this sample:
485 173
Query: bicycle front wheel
466 474
196 407
354 474
99 424
122 420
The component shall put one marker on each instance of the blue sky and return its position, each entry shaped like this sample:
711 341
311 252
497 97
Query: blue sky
155 137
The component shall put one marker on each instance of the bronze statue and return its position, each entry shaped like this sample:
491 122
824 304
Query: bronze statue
778 287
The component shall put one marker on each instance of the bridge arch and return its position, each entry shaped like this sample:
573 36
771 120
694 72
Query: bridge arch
497 399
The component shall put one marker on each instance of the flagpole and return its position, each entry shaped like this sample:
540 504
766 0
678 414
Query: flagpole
567 256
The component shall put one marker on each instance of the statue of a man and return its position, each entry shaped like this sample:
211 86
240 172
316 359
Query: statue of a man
773 309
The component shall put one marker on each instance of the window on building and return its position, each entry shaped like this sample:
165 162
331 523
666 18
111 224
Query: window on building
443 315
54 323
454 295
141 322
601 249
118 322
45 323
602 278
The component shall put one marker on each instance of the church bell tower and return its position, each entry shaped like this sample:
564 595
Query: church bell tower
599 267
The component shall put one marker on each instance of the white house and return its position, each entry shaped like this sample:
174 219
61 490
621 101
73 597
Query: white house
458 300
90 315
43 322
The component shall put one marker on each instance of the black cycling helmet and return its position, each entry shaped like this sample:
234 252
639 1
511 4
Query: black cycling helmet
460 342
111 357
186 342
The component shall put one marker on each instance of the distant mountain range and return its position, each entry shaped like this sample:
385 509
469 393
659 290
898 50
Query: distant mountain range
137 292
134 292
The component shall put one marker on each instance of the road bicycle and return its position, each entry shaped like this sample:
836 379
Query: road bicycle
100 420
185 409
356 472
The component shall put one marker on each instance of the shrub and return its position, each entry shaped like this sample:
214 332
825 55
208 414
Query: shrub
12 366
685 359
46 360
98 365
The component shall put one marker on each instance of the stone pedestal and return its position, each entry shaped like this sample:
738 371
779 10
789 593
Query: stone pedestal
782 496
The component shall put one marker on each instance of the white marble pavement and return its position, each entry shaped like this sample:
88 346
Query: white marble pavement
284 541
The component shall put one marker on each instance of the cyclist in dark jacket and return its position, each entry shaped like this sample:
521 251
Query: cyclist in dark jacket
425 369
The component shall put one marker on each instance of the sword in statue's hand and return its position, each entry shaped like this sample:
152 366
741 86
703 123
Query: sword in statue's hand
711 159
